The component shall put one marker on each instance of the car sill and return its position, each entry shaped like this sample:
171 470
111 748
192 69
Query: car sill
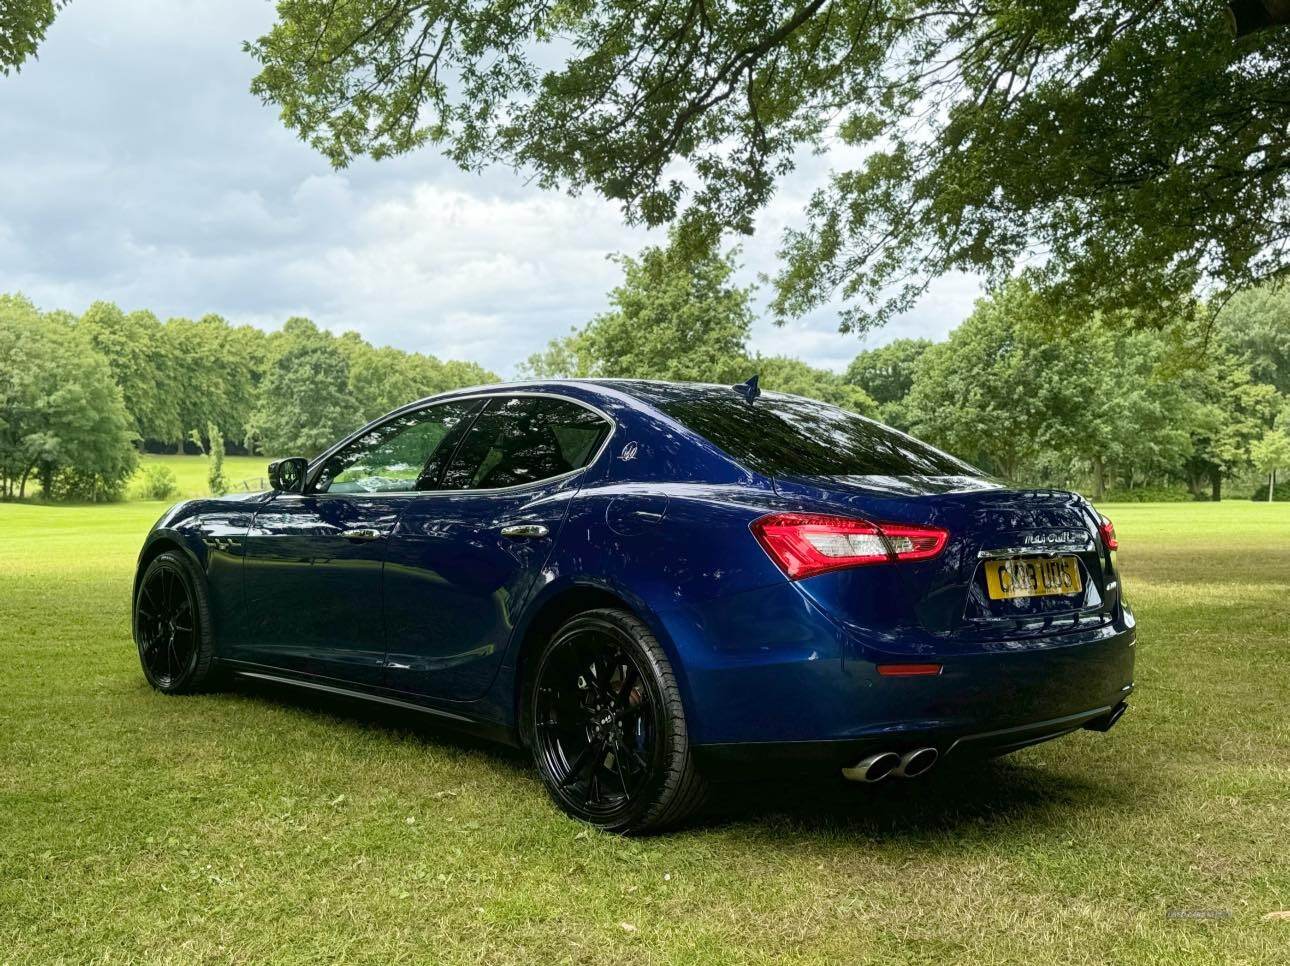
361 695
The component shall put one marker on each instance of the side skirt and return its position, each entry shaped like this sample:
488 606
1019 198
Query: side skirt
480 727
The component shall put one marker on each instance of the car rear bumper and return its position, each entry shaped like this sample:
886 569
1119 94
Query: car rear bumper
765 677
742 758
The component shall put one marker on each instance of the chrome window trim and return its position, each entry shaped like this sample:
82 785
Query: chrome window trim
421 406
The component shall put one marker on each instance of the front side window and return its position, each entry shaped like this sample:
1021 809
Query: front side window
524 439
405 453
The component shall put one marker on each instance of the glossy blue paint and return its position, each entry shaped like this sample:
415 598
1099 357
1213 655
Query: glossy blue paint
440 608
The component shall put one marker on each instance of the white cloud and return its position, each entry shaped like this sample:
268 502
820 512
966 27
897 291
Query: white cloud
138 168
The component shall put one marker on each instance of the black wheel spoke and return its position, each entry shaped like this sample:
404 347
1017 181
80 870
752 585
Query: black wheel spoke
623 697
585 759
618 769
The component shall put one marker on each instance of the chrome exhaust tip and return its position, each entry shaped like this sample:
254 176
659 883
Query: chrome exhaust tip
914 763
874 768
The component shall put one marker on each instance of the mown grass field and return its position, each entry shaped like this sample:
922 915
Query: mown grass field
190 471
263 825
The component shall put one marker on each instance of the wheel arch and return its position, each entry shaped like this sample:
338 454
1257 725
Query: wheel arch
158 543
552 610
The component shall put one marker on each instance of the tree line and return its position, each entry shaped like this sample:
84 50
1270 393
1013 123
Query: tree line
1020 391
1106 408
81 396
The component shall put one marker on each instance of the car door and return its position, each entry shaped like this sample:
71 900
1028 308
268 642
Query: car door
314 560
463 560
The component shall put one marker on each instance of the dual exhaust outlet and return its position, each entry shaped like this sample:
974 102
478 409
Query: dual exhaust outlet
878 766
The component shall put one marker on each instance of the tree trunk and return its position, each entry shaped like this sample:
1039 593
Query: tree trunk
22 486
179 447
1272 484
1099 478
1216 486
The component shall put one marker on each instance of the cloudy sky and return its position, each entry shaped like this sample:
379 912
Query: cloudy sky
136 167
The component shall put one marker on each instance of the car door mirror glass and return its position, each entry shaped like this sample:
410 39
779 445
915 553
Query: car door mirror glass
288 475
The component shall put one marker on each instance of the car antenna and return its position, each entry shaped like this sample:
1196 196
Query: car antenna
748 389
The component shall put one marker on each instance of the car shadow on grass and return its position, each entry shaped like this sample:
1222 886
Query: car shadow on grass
983 797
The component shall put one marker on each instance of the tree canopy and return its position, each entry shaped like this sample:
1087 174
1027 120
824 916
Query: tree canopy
1107 410
1132 155
683 318
80 396
22 27
62 418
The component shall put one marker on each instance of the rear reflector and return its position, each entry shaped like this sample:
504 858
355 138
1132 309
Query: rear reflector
805 544
908 670
1107 529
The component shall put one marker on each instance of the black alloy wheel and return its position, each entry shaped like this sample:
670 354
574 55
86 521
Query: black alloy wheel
608 729
170 626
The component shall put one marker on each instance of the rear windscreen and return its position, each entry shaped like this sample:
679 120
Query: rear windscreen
789 436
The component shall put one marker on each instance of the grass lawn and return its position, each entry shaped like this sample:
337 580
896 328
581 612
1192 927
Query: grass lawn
190 471
266 825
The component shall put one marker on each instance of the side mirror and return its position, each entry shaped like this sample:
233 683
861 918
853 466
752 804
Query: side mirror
288 475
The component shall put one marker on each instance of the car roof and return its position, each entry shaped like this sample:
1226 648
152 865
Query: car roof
652 392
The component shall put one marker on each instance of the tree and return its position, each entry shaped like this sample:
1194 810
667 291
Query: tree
782 374
1256 326
62 419
1269 454
216 371
1232 413
215 478
887 374
1133 152
382 379
22 27
999 392
305 403
674 316
143 366
1006 393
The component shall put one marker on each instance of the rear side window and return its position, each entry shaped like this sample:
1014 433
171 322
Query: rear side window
524 439
789 436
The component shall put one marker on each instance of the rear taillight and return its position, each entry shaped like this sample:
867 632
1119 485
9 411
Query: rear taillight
805 544
1107 529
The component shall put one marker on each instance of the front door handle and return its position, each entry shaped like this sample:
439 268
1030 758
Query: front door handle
362 534
525 531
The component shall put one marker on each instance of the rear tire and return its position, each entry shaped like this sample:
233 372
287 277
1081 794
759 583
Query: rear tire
172 627
608 730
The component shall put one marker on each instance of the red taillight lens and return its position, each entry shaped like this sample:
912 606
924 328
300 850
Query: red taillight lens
1107 529
908 670
805 544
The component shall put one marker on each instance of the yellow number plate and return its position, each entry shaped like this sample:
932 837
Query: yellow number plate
1032 577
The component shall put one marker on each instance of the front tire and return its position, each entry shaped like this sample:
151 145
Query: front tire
172 627
608 729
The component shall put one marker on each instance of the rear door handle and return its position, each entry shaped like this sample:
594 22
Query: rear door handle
362 534
525 531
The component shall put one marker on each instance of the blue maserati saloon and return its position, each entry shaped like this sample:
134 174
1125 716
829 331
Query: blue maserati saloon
651 585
